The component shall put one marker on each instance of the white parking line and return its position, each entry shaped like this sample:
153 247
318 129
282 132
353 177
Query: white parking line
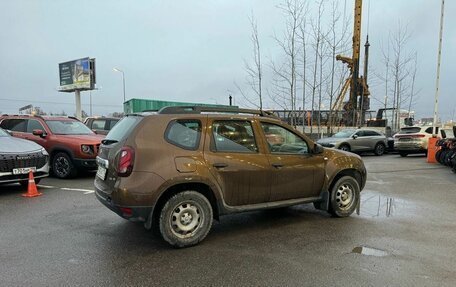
46 186
86 191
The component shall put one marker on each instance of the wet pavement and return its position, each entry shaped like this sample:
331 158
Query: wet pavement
405 235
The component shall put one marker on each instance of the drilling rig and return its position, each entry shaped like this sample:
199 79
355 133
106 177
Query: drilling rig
359 101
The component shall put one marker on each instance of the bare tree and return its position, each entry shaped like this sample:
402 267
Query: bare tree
285 74
317 38
254 71
338 43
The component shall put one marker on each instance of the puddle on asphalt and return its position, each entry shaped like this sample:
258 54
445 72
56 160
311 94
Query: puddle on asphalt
375 205
369 251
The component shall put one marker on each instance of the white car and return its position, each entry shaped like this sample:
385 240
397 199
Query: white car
18 157
413 140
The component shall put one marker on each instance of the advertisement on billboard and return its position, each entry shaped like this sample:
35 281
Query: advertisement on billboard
77 75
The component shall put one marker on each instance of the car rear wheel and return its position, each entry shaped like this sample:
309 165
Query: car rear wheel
185 219
379 149
344 147
62 166
403 154
344 197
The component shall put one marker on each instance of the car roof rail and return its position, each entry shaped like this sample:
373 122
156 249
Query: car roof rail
202 109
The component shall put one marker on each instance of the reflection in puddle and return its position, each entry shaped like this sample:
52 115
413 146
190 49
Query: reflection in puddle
369 251
378 206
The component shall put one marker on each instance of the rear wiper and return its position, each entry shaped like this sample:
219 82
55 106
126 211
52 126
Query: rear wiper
108 141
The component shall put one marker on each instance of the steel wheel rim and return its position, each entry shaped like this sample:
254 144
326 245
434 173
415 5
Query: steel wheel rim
345 196
62 166
186 219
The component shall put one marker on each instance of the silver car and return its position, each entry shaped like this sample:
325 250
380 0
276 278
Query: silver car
18 157
357 140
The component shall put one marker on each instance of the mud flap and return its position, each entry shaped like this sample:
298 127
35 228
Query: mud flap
323 203
358 204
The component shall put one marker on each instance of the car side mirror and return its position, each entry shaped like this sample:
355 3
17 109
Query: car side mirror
9 132
39 133
318 149
355 137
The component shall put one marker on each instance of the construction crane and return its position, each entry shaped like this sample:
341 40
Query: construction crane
358 102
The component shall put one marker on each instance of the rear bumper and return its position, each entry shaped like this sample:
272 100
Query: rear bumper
138 213
86 164
410 146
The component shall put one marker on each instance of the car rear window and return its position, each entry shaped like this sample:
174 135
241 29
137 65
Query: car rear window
123 128
410 130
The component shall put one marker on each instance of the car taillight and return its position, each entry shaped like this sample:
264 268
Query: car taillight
126 161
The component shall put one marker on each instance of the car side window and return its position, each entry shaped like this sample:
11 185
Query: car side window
112 123
34 125
429 130
360 133
4 124
283 141
371 134
98 124
17 125
185 134
233 136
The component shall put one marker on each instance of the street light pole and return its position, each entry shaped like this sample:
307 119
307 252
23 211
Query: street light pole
123 81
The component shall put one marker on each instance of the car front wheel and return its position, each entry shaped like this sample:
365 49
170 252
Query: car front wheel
344 197
344 147
62 166
185 219
379 149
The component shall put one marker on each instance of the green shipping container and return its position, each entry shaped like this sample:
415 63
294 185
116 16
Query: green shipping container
140 105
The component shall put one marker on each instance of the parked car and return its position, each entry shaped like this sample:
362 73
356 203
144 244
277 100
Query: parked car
357 140
18 157
71 144
101 125
414 140
179 168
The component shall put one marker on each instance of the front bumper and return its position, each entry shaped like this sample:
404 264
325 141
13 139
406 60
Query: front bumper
9 177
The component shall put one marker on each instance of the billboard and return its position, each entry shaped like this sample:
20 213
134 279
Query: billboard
77 75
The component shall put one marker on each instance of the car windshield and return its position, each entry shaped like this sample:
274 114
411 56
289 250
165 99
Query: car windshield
64 127
344 134
3 133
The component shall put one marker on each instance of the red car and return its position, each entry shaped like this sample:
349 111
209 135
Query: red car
72 146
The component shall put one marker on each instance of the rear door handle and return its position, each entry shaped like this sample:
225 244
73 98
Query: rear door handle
220 165
277 165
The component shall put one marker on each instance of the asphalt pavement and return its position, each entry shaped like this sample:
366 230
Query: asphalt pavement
405 235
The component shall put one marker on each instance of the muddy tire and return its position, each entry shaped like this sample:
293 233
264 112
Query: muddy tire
62 166
185 219
344 197
379 149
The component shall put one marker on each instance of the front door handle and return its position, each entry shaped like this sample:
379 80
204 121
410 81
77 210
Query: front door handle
220 165
277 165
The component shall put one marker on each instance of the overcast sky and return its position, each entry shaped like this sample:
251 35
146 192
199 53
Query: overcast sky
186 50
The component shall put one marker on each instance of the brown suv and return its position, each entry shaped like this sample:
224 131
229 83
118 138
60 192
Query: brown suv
180 168
72 146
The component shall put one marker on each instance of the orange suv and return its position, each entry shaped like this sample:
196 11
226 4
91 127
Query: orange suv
72 146
181 167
